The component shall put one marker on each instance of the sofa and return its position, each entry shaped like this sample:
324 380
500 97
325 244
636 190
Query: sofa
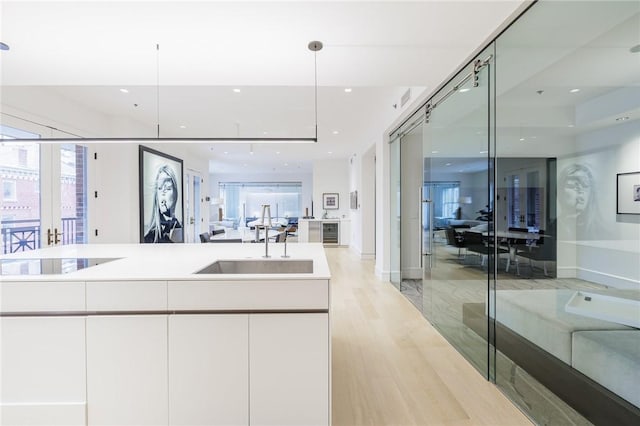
591 363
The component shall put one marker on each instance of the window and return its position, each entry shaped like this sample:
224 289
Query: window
9 190
446 197
244 200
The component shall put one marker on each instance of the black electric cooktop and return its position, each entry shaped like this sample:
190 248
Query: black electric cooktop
46 266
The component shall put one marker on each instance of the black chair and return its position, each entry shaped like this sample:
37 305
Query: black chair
455 239
204 237
477 243
538 250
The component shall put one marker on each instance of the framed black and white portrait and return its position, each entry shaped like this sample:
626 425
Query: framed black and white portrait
628 193
161 201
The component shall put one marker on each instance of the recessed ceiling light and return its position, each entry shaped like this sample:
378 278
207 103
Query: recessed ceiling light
278 152
348 90
182 126
124 90
226 152
484 152
571 125
335 132
330 152
236 90
435 152
521 139
622 118
286 164
448 164
464 89
264 133
251 152
574 90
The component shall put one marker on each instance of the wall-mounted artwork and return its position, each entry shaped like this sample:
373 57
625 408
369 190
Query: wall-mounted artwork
161 210
628 190
330 201
353 200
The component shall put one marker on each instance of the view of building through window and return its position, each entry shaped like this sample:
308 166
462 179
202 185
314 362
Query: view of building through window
21 213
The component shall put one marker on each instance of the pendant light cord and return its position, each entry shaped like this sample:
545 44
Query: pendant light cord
314 46
315 73
158 90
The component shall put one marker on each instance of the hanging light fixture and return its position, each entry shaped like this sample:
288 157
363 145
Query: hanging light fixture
314 46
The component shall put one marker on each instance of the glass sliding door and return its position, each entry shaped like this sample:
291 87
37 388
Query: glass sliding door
444 251
459 174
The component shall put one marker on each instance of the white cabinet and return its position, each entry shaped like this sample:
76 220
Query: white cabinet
289 365
42 371
127 370
208 369
326 231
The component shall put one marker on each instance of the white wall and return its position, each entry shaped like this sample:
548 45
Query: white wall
363 219
114 175
331 176
589 245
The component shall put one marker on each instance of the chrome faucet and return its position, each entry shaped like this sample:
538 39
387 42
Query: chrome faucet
266 209
286 234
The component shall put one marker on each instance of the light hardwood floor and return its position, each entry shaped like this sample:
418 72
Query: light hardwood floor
391 367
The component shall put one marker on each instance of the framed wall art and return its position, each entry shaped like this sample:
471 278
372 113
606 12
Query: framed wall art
330 201
161 201
628 193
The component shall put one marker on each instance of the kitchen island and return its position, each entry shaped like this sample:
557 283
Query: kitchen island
132 334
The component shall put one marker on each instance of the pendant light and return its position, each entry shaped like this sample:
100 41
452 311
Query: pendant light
314 46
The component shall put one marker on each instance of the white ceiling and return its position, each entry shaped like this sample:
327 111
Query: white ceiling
86 51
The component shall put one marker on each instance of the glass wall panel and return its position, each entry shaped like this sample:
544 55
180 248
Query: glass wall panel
567 127
457 156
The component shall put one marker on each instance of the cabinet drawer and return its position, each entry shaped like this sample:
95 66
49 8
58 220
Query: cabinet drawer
42 296
126 295
249 295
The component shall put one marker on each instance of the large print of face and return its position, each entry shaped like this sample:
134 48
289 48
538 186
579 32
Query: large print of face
166 192
577 188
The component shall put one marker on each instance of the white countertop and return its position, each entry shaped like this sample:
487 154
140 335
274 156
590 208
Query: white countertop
170 261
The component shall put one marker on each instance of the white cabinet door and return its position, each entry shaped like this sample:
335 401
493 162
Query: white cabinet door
209 369
127 370
42 371
289 369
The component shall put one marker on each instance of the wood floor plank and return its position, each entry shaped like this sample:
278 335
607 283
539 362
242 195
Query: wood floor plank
391 367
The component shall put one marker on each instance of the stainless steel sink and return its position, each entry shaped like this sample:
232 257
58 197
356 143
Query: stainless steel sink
259 266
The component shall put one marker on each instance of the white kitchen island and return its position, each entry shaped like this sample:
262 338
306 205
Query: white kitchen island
144 340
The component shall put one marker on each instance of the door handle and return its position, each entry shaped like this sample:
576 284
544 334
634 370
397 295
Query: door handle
429 252
56 236
49 236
